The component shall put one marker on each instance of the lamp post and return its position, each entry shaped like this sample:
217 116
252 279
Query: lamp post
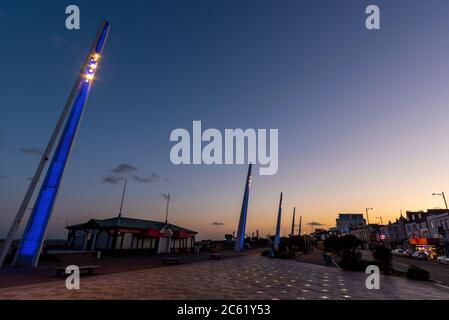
444 198
166 211
366 211
381 226
445 236
367 225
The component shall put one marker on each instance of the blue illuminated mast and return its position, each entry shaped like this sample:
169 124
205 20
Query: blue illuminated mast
240 240
277 238
34 234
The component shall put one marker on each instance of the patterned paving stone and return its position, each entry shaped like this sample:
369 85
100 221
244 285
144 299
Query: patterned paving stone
249 277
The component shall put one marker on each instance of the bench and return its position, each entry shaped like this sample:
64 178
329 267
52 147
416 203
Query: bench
215 256
171 260
85 261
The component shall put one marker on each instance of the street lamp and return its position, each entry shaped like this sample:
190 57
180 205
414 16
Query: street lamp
367 217
445 235
367 225
441 195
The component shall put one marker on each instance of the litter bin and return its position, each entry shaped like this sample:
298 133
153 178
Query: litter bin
327 258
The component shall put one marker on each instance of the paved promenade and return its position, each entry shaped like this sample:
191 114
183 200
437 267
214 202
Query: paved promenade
248 277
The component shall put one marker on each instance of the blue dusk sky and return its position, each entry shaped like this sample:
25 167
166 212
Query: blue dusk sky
362 115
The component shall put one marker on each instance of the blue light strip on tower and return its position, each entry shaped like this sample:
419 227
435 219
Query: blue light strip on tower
104 33
34 234
45 201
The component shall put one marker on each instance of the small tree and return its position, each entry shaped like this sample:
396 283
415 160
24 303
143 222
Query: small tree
339 244
347 247
329 243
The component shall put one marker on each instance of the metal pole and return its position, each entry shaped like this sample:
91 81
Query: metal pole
123 198
293 222
240 239
367 216
166 211
97 46
444 198
445 236
277 238
40 168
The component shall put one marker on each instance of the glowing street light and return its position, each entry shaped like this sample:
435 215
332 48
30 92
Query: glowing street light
441 195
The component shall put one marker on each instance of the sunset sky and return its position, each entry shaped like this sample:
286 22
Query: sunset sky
362 115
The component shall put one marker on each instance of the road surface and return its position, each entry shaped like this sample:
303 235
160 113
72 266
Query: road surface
439 272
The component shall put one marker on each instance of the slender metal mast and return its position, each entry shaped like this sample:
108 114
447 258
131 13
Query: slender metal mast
34 234
166 210
123 198
240 240
277 238
293 223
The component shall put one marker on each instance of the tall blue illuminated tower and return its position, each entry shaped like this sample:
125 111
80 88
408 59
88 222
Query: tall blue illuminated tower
277 238
240 240
34 234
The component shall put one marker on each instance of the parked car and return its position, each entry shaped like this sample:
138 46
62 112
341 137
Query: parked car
443 259
408 253
420 255
398 252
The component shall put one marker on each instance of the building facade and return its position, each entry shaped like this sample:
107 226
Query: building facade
348 221
393 234
369 235
428 231
127 235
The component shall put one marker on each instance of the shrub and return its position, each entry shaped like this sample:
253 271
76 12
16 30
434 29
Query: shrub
382 255
351 260
281 254
339 244
265 253
284 254
417 273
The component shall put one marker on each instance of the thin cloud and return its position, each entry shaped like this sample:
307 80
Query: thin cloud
155 176
2 176
112 179
143 179
31 151
124 168
313 223
217 223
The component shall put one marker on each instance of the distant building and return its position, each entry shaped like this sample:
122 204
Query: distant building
393 234
368 234
122 234
428 231
416 225
348 221
438 222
